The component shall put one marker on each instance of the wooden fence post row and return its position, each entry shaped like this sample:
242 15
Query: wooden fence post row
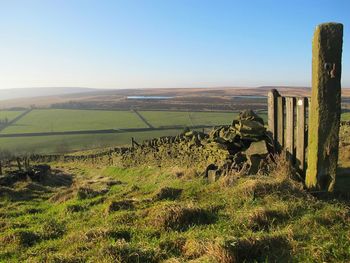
288 116
287 126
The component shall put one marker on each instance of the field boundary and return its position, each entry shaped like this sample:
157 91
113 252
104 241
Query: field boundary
15 119
143 119
106 131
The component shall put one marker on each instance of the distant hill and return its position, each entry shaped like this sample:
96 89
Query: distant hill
7 94
84 98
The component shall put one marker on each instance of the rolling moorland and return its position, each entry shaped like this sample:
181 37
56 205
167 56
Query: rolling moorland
98 211
100 115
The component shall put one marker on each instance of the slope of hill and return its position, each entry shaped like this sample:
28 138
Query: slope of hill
85 212
10 94
117 98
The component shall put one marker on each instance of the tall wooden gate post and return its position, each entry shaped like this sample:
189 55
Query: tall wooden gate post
325 107
272 114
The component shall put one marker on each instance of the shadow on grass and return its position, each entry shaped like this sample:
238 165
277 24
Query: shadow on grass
341 189
343 179
23 188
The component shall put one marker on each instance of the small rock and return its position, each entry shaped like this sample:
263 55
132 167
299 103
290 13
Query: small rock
257 148
213 175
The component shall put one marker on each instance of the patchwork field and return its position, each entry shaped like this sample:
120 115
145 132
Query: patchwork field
47 121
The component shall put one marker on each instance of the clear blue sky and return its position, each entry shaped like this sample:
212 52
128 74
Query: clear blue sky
163 43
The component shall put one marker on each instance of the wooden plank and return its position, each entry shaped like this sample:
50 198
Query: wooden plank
289 137
272 114
301 134
280 122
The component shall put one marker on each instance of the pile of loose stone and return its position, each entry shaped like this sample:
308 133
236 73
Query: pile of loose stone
242 147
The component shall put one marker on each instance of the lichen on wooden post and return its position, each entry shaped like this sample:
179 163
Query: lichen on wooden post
325 107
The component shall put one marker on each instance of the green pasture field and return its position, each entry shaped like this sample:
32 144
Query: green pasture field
10 115
169 118
71 143
57 120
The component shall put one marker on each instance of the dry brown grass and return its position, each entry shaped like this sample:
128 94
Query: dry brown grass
193 249
217 253
261 219
206 251
281 181
20 238
84 189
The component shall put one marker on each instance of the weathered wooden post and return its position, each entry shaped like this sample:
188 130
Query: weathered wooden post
272 115
301 109
290 134
325 107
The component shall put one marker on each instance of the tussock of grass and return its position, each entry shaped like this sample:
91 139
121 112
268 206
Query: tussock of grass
122 251
120 205
173 246
274 247
193 248
63 196
73 208
216 253
101 233
168 193
86 192
147 219
20 238
180 217
52 229
261 219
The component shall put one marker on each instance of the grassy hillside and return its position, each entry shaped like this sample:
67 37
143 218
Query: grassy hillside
87 213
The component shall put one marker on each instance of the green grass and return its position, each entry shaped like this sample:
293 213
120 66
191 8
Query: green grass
69 143
345 116
10 115
54 120
113 214
168 118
